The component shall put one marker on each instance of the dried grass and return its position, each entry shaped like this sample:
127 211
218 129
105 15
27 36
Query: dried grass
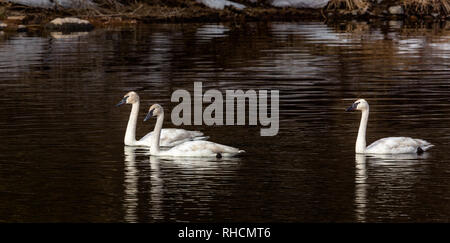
428 6
350 5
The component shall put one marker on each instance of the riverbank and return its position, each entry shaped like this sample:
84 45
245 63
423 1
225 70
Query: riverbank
19 17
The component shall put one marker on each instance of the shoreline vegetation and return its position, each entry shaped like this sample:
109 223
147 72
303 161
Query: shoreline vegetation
20 16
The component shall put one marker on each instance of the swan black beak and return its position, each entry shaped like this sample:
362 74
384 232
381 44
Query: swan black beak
123 101
149 115
353 107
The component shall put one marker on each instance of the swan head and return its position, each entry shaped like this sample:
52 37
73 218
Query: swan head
154 110
130 98
360 104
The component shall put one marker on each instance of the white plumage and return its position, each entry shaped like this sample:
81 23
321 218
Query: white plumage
201 149
189 148
389 145
169 137
398 145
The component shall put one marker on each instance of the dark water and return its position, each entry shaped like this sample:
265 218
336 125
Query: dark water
62 156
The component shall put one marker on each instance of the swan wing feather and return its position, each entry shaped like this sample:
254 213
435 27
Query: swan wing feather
201 149
171 137
397 145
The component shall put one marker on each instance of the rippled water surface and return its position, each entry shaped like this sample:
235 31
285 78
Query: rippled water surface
62 155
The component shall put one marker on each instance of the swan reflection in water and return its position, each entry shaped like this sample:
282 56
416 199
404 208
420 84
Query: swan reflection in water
171 181
135 162
360 187
391 175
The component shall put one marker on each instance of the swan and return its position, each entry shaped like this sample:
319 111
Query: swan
189 148
389 145
169 136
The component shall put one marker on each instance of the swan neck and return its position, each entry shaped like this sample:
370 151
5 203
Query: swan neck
361 140
154 148
130 134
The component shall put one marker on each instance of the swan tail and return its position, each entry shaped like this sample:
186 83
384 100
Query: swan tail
423 145
196 133
235 154
426 147
200 138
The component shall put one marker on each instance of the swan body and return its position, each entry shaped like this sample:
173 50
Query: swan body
389 145
169 136
398 145
200 149
189 148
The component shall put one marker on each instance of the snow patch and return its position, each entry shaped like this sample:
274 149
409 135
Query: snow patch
221 4
70 20
53 3
300 3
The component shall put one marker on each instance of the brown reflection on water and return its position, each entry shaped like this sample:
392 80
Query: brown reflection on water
63 158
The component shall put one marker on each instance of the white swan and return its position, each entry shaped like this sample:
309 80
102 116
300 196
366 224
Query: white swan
390 145
169 136
189 148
